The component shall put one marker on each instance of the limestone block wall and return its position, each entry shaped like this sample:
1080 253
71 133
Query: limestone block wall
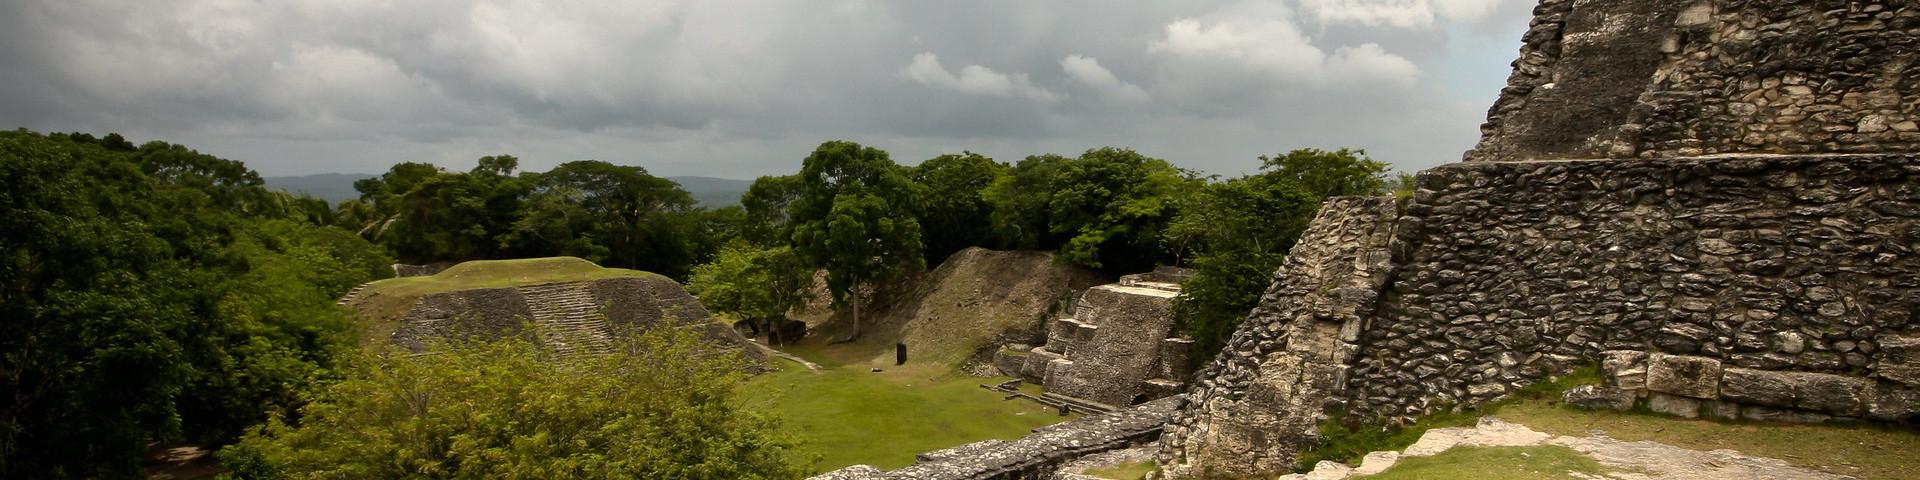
1512 270
1664 78
1692 387
1291 355
1764 284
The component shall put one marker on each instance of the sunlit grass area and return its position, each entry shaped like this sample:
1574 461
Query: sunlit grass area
1544 462
385 301
848 415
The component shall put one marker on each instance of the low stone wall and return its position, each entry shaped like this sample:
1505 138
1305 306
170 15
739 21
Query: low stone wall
405 270
1693 387
1034 457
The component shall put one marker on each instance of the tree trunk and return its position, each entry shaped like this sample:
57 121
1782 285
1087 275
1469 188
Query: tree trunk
856 313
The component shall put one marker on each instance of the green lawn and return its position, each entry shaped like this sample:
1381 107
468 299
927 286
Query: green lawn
848 415
1544 462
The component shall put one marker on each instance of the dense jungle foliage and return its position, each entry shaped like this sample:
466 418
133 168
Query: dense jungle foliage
157 295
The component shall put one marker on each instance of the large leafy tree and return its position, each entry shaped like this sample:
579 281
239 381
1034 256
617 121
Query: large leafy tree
1112 205
1019 203
953 214
153 294
1239 230
757 283
658 408
640 220
765 208
853 218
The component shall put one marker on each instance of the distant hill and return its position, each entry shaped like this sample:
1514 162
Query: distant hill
332 187
710 192
714 192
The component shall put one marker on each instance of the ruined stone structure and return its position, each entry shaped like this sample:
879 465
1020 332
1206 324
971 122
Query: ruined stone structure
570 317
1666 78
1745 284
1114 350
1716 202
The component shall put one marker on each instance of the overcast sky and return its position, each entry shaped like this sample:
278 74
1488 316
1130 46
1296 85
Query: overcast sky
740 89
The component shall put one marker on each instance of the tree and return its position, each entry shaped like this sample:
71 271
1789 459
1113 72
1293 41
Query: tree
757 283
659 407
631 213
1240 230
953 214
853 218
1019 204
1112 205
152 295
765 205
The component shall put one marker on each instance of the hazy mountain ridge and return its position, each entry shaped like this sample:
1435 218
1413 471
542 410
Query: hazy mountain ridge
710 192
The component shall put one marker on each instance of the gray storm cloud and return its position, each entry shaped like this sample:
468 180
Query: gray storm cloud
744 88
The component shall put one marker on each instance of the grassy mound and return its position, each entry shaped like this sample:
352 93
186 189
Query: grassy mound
384 302
945 315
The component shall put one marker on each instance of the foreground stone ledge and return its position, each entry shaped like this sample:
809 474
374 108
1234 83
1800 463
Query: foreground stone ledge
1035 456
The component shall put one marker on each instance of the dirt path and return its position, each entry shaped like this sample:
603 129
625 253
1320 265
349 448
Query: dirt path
795 358
1626 460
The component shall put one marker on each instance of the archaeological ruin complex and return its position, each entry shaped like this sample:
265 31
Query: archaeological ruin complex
1715 202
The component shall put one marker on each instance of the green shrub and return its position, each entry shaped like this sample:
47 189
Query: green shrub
658 408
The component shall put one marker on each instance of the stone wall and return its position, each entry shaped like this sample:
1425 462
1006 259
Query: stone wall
1291 355
1514 270
1660 78
1782 269
1033 457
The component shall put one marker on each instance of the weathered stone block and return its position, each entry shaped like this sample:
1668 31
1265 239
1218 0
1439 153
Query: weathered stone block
1835 394
1697 377
1719 410
1599 397
1674 405
1758 387
1891 402
1899 359
1009 362
1770 414
1625 369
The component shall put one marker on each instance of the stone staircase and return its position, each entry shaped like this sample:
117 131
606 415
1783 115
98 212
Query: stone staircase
352 294
569 318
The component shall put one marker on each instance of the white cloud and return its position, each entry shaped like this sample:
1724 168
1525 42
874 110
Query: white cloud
1397 13
974 79
1087 71
1276 48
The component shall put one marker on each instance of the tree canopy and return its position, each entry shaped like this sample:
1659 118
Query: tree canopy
154 294
854 218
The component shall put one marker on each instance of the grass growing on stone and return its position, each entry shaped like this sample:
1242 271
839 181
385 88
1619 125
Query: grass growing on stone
1863 451
1542 462
385 301
1124 471
848 415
